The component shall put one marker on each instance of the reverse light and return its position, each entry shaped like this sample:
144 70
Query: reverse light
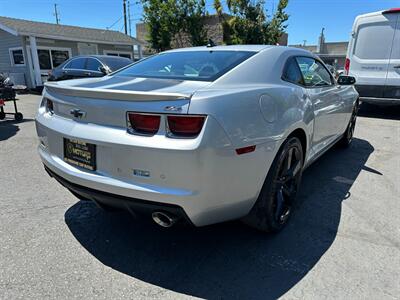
49 106
147 124
185 126
347 66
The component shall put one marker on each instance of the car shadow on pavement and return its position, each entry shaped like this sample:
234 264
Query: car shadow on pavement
227 260
9 128
391 112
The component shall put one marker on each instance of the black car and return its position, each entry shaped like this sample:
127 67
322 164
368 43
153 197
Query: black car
88 66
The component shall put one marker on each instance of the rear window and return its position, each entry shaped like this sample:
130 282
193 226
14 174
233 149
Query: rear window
374 41
116 63
190 65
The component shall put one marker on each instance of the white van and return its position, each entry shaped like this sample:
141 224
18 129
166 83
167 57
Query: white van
373 56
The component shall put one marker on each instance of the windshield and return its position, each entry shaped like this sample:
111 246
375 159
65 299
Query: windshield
189 65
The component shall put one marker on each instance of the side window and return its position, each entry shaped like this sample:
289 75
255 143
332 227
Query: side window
93 64
314 73
292 72
78 64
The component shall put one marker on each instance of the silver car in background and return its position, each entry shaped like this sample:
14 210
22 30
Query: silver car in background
202 135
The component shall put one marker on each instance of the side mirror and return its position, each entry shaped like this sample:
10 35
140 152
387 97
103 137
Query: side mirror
103 70
346 80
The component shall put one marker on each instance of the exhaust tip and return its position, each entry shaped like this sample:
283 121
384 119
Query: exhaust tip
163 219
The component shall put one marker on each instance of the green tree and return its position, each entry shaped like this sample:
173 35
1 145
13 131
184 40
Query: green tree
247 22
169 20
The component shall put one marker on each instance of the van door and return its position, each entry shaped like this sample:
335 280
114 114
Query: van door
373 40
392 88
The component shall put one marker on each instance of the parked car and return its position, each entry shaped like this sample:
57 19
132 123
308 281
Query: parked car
374 56
88 66
204 134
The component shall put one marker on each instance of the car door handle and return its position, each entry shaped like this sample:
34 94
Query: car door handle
87 73
397 67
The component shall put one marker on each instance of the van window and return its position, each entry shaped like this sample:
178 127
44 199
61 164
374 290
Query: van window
374 41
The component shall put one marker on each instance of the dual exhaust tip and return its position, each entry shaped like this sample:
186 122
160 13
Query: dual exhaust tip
164 219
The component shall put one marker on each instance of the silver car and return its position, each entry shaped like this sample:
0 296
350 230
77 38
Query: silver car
199 135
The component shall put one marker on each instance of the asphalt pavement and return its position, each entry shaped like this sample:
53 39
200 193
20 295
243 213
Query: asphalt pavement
342 243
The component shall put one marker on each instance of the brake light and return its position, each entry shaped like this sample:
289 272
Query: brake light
185 126
347 66
144 123
392 10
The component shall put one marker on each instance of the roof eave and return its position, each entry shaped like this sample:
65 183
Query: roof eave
8 29
65 38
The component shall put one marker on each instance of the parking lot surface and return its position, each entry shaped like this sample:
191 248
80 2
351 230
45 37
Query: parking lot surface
342 243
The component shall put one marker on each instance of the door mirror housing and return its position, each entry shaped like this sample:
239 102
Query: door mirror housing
346 80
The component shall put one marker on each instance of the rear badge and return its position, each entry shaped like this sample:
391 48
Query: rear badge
141 173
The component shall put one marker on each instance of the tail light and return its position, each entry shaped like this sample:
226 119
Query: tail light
185 126
144 123
347 66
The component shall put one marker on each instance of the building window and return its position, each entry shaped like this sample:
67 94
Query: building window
50 58
125 54
17 57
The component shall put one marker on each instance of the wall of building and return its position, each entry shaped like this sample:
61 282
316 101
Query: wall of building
8 41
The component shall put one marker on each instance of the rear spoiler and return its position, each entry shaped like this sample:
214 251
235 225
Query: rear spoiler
110 94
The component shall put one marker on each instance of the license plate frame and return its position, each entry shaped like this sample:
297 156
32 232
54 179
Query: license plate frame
79 153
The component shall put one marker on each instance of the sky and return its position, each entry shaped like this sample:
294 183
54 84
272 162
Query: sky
307 17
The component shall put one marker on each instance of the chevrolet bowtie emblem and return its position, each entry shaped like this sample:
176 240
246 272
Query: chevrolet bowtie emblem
77 113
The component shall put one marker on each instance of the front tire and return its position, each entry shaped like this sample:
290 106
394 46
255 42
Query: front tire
274 205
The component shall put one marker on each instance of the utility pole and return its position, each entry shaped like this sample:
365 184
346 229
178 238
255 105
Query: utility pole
125 21
56 14
129 18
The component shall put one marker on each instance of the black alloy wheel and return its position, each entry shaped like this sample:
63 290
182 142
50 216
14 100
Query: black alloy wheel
275 203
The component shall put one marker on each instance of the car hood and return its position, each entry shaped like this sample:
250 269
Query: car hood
127 88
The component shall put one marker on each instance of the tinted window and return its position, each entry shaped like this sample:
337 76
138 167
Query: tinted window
115 63
93 64
18 57
58 57
44 59
374 41
189 65
292 72
77 63
314 73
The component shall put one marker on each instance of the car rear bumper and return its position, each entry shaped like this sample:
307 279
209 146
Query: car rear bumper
205 178
112 200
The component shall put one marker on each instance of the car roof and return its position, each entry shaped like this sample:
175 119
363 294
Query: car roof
252 48
100 57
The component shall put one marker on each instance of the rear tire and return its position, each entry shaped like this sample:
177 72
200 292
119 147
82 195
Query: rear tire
347 137
275 203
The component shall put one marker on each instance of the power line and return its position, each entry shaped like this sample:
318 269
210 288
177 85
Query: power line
113 24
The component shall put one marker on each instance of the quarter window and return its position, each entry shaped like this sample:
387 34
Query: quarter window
314 73
17 57
78 64
292 72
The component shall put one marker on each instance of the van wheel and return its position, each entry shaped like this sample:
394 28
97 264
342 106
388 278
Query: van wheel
275 203
347 137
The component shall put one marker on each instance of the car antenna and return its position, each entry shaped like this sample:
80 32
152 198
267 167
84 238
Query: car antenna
211 43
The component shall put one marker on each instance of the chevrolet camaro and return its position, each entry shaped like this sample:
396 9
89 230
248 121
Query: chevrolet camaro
199 135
